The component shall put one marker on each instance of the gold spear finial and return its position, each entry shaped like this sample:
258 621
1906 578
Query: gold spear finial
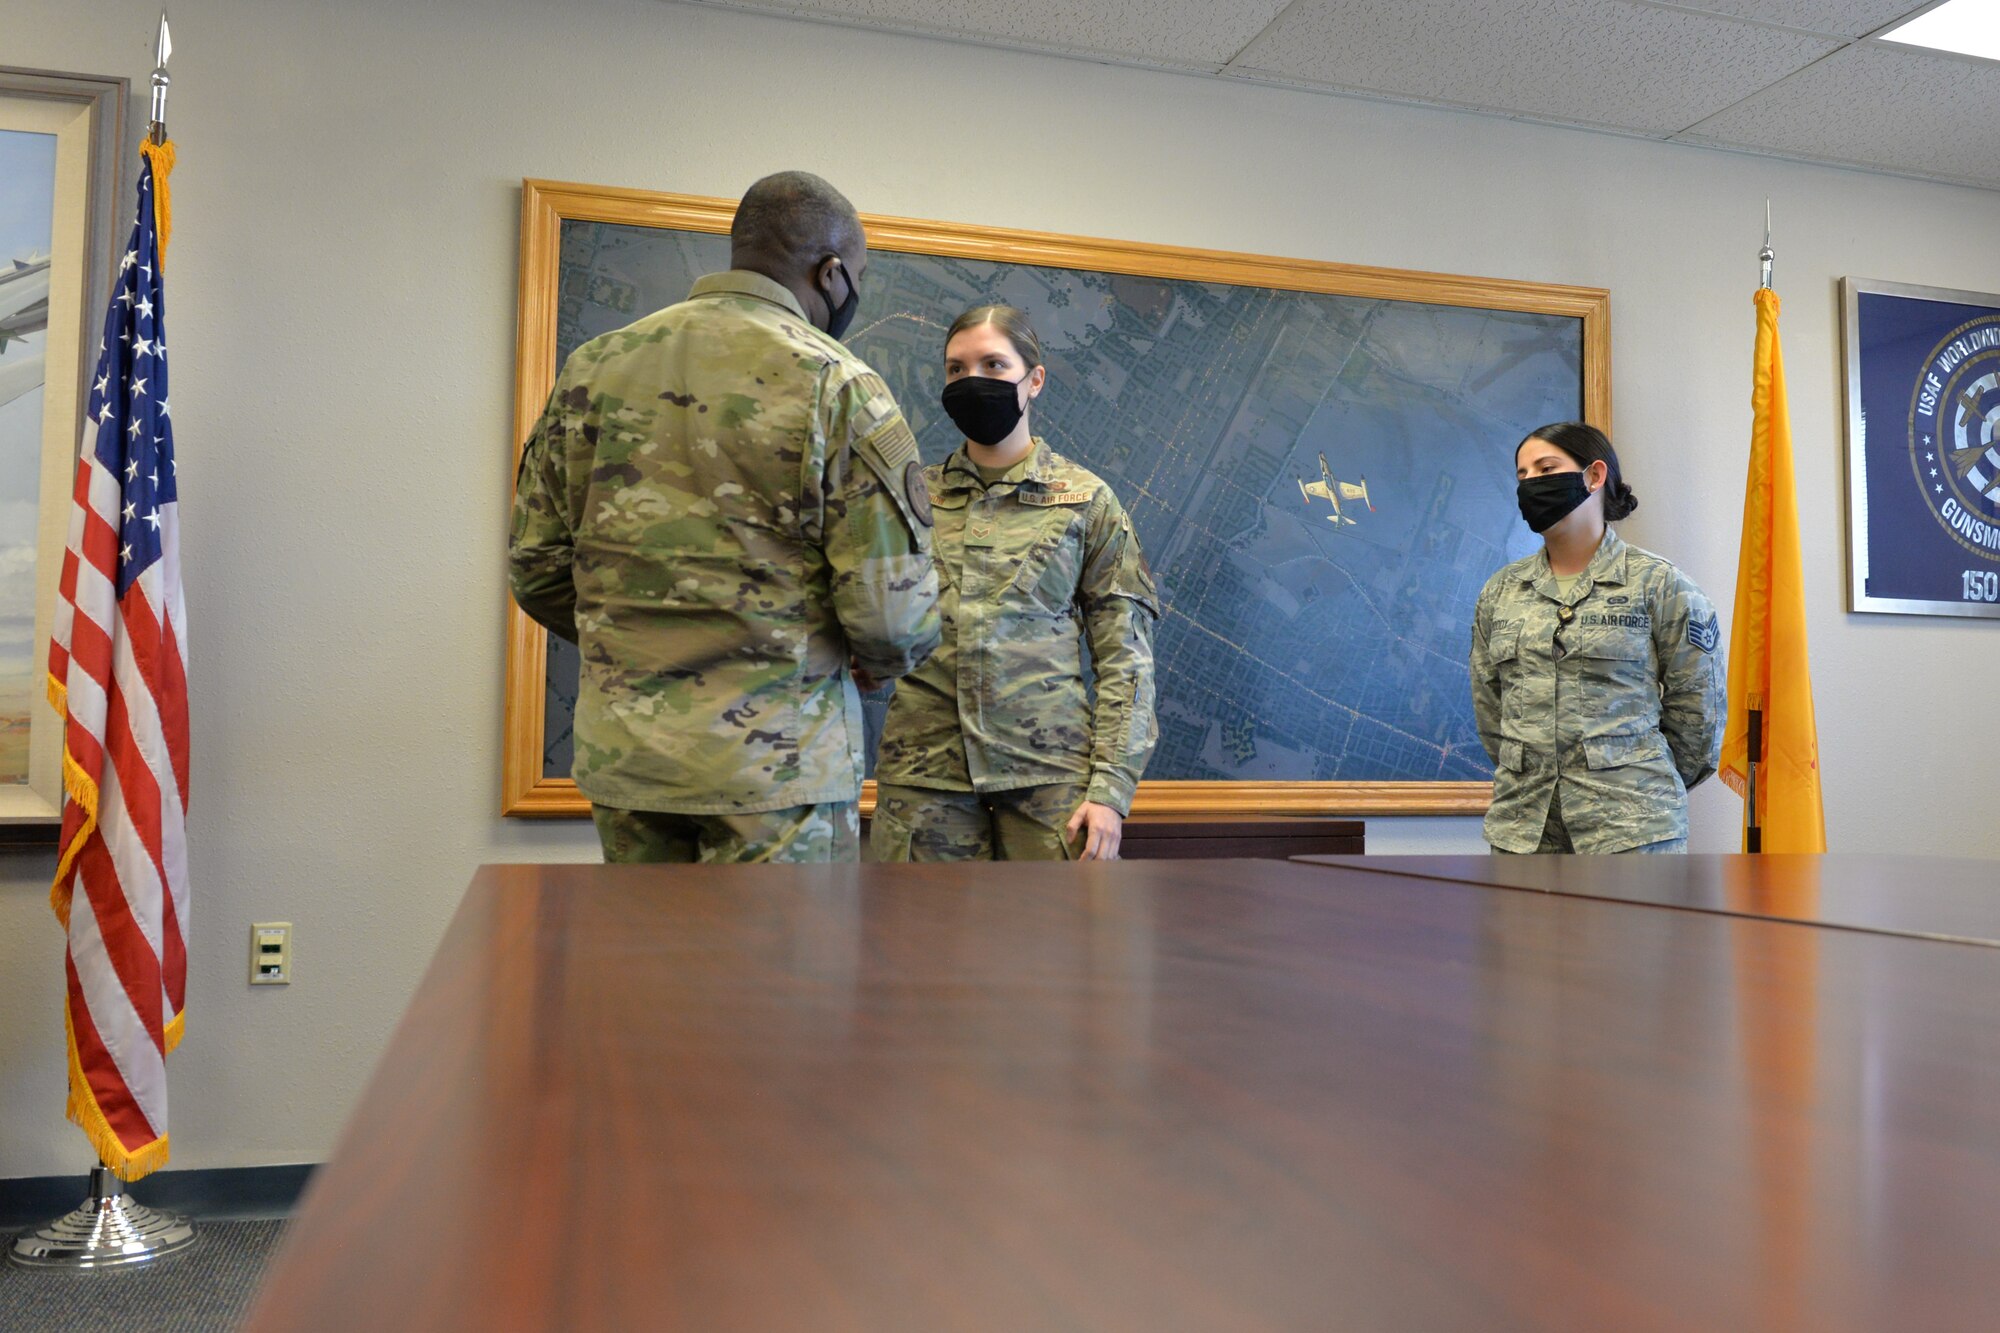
157 130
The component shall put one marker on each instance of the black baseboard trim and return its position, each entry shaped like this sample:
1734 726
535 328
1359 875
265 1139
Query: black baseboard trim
223 1193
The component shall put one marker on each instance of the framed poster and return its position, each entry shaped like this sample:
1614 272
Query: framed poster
59 162
1318 459
1923 466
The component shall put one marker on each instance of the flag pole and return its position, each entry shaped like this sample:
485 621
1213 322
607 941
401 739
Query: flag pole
110 1229
1767 256
1753 829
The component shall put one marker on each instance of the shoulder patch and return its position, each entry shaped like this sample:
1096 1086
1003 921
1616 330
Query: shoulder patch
1705 634
919 492
1152 584
865 396
888 436
875 411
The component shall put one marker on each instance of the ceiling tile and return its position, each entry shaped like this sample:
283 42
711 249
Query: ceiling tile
1876 106
1591 62
1849 18
1166 32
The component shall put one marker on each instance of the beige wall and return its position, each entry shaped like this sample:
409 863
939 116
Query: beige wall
342 323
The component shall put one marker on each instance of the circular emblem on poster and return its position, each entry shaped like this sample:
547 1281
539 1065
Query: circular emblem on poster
1955 435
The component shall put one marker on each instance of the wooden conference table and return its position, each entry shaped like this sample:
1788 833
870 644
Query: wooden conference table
1930 896
1156 1095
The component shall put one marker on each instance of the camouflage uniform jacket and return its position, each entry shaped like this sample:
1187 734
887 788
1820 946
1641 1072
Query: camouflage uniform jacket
1031 566
1624 714
720 504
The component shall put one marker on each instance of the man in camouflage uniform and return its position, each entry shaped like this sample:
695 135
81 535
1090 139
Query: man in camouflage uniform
1600 709
721 505
992 745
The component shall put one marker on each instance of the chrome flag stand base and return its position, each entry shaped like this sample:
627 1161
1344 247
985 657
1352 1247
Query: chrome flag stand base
107 1230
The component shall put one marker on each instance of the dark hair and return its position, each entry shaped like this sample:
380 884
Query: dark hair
791 220
1587 445
1009 321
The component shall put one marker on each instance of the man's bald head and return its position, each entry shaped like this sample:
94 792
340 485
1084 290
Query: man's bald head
789 222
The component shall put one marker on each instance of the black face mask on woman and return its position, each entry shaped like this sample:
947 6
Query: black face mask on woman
1547 501
984 410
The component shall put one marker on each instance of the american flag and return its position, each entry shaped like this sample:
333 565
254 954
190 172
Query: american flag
116 674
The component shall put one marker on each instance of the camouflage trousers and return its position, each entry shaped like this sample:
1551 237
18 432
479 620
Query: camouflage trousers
826 832
1555 835
1026 824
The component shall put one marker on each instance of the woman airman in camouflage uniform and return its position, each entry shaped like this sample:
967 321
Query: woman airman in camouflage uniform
1597 681
996 749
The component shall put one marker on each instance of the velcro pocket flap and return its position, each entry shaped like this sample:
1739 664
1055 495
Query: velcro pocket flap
1616 645
1618 751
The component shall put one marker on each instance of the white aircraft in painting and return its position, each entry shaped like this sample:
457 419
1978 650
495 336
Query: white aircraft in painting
1334 492
24 298
24 309
20 374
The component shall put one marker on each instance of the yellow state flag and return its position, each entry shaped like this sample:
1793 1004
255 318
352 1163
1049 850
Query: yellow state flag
1767 640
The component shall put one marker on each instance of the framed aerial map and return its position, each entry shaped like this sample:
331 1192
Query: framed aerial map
1319 460
1923 466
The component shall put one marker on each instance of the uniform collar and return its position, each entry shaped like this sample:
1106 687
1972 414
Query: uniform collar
962 474
1607 565
742 282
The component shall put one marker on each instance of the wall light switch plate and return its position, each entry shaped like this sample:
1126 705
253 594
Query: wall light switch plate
271 953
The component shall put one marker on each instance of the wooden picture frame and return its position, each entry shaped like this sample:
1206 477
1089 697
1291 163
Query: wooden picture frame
84 115
547 205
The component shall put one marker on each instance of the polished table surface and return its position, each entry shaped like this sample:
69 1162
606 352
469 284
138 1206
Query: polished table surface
1155 1095
1933 896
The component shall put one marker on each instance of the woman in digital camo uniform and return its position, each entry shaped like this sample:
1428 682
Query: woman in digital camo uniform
995 749
1597 681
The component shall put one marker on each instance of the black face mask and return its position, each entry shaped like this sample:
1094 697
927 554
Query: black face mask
839 317
1547 501
985 410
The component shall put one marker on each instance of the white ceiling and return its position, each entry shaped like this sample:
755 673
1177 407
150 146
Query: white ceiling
1802 79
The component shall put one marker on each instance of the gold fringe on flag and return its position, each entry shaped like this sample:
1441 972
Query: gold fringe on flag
86 1115
161 155
82 789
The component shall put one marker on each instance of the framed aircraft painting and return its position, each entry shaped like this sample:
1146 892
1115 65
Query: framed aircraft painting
59 162
1318 459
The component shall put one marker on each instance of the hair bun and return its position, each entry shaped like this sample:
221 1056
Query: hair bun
1624 501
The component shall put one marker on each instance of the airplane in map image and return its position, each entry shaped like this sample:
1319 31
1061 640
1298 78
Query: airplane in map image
1333 492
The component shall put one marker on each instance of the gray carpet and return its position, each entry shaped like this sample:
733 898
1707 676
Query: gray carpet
204 1289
